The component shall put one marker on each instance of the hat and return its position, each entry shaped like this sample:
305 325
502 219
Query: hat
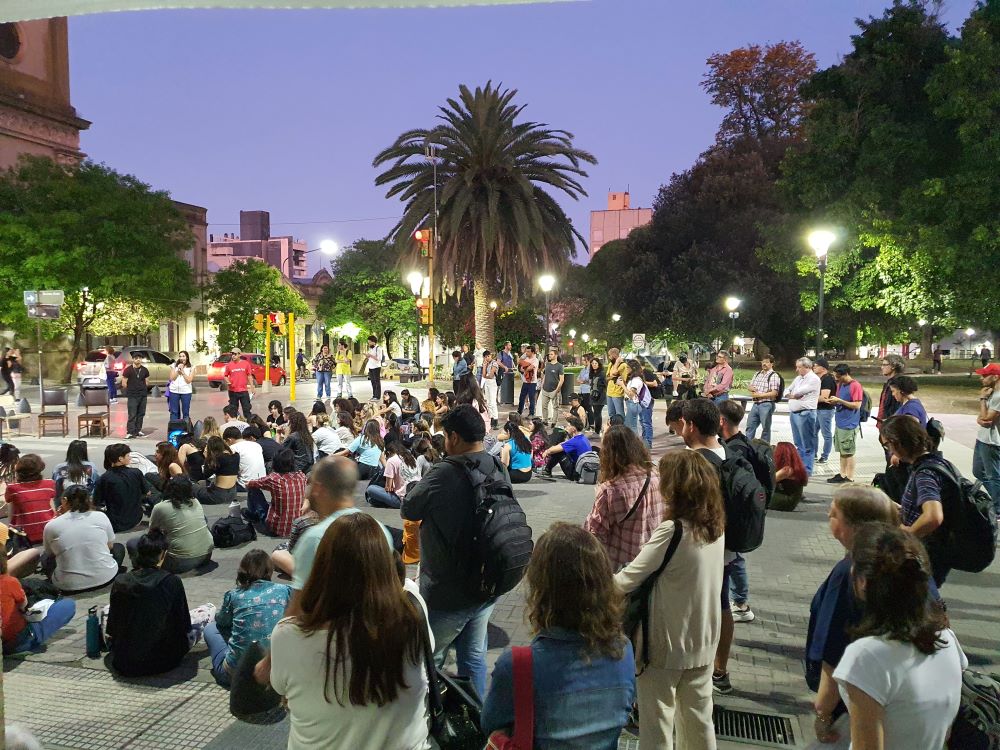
821 361
990 369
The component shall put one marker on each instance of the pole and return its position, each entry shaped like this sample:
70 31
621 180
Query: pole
819 330
41 387
291 360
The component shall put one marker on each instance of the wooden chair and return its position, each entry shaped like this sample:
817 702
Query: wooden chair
53 397
100 418
8 414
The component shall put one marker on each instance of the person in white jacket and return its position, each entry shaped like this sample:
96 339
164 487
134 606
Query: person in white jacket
684 614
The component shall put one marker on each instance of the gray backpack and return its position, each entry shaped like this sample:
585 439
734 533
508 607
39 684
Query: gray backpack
587 467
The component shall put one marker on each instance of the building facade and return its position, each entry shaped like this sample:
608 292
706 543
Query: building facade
616 222
285 253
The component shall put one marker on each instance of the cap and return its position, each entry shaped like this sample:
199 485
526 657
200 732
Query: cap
821 361
990 369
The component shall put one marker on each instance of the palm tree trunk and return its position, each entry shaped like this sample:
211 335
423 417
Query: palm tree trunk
484 315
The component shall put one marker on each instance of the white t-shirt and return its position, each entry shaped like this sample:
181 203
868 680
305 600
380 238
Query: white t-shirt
179 384
298 671
251 461
327 440
79 542
991 435
920 693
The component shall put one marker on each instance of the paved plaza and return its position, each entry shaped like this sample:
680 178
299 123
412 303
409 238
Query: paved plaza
72 702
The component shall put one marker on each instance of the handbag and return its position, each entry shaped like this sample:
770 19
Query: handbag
524 706
637 604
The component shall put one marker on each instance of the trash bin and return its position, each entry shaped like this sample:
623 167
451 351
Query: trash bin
568 387
507 389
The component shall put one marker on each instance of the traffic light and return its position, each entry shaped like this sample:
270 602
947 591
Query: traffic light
424 237
258 322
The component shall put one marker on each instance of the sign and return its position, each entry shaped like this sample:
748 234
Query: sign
638 341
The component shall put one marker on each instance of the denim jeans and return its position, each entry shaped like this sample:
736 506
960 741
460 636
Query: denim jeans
218 649
37 633
824 427
616 405
323 382
380 497
760 416
646 421
739 584
804 436
632 410
986 468
466 630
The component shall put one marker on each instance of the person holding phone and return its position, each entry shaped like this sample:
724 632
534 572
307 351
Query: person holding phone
181 375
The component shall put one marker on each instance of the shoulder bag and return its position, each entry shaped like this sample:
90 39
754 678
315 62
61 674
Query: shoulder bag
524 706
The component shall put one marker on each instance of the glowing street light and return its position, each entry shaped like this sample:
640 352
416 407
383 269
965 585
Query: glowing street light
820 241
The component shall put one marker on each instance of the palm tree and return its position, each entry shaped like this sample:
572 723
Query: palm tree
498 225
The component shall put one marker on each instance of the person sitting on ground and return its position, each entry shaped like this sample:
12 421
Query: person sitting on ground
231 418
19 635
685 620
300 442
167 465
902 677
902 388
327 439
790 477
627 503
399 472
282 555
515 452
148 621
30 498
568 451
367 448
121 491
287 486
180 516
80 552
76 469
835 610
370 690
222 467
248 613
583 666
539 439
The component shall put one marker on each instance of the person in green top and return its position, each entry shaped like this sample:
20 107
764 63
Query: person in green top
181 517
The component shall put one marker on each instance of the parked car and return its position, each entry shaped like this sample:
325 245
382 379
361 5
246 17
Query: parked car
90 372
215 370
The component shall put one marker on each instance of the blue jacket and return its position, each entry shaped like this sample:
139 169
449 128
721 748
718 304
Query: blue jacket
580 704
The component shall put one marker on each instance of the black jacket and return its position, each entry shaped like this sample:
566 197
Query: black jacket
148 622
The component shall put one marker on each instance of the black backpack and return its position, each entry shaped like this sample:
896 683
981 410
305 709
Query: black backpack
232 531
966 540
499 542
745 501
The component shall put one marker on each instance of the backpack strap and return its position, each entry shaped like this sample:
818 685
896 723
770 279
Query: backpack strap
642 494
524 698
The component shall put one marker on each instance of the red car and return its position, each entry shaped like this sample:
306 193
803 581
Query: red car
216 374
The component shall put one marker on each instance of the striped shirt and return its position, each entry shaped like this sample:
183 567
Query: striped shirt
287 493
764 381
31 506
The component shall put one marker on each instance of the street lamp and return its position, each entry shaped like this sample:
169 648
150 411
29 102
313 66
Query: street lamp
546 282
327 247
820 241
732 305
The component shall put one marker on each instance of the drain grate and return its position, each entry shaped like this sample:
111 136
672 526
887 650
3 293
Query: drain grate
765 730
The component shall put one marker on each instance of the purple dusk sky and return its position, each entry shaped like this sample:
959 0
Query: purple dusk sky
284 110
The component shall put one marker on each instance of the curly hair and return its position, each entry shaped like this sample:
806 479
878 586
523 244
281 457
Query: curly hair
570 586
689 485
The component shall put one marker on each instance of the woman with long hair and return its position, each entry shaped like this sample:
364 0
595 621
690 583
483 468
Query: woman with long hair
80 552
790 477
76 469
223 466
181 388
627 506
399 472
367 450
180 516
515 453
583 665
350 661
685 620
902 678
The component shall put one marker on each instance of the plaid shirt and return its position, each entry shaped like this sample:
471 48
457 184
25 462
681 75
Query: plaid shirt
613 502
764 382
288 491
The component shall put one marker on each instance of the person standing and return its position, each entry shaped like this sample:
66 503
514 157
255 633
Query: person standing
718 380
824 408
764 389
343 362
848 405
528 365
135 377
323 365
373 358
239 382
111 374
181 375
617 372
986 455
803 396
552 380
491 387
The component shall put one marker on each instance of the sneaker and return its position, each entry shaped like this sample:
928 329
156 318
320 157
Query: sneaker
743 614
837 479
721 683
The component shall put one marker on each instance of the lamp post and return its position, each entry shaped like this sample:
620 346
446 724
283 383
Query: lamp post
820 241
732 305
546 282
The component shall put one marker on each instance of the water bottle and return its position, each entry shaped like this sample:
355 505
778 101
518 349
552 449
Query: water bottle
94 636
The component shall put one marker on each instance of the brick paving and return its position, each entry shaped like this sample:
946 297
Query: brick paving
73 702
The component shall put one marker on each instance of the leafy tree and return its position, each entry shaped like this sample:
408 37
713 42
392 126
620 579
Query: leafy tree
104 238
498 224
242 290
368 291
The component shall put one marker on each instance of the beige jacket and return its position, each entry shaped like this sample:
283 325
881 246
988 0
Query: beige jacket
685 608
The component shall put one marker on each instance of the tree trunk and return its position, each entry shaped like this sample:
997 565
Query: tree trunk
484 315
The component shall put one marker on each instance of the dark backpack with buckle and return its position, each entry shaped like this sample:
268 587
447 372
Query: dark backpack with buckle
499 538
745 501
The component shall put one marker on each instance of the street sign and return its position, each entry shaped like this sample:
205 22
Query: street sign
638 341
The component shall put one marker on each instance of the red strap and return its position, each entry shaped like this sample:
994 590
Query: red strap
524 698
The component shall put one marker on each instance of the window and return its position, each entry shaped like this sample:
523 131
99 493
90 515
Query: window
10 41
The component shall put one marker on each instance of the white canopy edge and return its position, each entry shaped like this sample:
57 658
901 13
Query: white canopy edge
27 10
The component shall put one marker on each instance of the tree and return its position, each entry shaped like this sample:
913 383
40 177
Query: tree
104 238
248 287
498 225
367 290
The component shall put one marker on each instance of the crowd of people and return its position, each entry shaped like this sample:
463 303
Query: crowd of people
344 639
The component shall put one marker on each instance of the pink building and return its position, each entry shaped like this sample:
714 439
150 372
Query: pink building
616 222
285 253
